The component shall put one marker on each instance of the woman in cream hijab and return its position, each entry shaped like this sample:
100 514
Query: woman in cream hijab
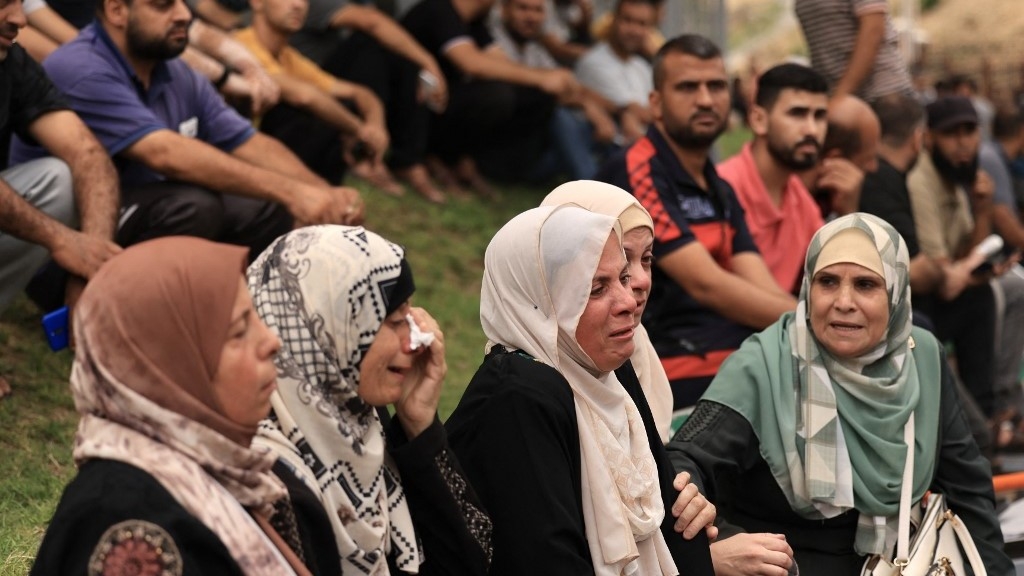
173 372
556 447
802 430
637 242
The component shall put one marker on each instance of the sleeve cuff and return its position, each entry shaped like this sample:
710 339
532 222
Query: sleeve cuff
419 452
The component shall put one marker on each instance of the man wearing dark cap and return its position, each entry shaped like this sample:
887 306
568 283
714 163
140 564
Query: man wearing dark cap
952 205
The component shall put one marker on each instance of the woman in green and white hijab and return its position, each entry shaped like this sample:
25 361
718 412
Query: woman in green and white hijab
801 432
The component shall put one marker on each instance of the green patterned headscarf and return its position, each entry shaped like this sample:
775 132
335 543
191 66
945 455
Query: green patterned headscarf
831 429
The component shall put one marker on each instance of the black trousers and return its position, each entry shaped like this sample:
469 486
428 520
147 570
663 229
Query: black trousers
359 58
176 209
969 323
315 142
503 126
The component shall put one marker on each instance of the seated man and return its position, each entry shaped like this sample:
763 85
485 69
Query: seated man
885 192
579 124
601 30
711 288
498 110
566 32
850 151
952 206
188 163
616 69
788 120
968 314
40 201
312 122
211 52
360 43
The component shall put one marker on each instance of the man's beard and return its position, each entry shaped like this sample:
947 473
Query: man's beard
519 39
959 174
789 158
686 138
153 48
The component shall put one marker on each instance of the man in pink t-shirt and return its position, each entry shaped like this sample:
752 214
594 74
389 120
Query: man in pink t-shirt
788 120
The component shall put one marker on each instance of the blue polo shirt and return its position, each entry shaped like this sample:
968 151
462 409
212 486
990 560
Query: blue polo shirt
107 95
690 339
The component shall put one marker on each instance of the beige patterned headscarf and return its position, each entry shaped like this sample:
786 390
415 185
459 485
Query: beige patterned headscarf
615 202
150 327
537 280
326 291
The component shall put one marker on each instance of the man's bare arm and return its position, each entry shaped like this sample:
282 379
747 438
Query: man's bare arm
260 168
480 64
96 187
735 298
306 96
389 33
348 206
751 267
870 33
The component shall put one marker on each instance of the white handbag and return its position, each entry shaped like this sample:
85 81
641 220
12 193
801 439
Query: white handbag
941 543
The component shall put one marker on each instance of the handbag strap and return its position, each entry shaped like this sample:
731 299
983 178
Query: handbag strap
968 546
906 493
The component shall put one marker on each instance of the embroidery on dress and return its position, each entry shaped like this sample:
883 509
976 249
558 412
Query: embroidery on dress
138 548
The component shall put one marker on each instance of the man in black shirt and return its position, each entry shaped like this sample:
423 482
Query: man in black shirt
884 192
497 108
41 201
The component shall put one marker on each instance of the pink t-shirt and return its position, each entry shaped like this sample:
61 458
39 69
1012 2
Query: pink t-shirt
782 233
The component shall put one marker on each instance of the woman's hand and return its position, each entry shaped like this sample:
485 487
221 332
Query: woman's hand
421 389
750 554
692 510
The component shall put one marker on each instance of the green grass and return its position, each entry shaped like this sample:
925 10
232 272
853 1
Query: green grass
36 427
445 246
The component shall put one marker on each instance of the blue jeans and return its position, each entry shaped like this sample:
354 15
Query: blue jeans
570 149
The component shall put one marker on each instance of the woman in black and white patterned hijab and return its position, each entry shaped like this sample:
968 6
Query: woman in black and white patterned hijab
338 297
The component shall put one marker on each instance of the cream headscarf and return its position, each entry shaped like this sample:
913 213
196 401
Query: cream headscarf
325 290
831 428
150 329
537 279
617 203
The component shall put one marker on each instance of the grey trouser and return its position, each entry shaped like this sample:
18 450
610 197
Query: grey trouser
45 184
1008 290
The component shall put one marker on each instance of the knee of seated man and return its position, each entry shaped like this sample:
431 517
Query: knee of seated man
46 184
501 98
189 211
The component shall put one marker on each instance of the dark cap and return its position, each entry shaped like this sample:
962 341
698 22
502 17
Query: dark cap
949 112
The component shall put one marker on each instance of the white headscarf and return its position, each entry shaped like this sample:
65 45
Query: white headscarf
325 291
538 271
615 202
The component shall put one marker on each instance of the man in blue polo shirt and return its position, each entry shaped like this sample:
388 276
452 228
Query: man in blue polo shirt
711 288
189 164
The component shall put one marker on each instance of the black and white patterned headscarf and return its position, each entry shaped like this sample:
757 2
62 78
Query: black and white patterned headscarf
325 291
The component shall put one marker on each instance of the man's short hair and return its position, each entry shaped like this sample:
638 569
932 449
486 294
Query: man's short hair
845 139
788 76
694 45
652 3
957 81
899 115
99 6
1007 124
